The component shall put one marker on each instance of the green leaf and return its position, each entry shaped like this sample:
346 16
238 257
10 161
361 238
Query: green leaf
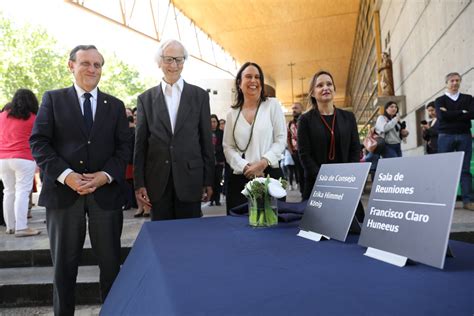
31 58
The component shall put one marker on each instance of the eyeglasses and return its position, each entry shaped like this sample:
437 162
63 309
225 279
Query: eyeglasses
169 60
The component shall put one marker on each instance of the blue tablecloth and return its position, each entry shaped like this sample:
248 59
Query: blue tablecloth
221 266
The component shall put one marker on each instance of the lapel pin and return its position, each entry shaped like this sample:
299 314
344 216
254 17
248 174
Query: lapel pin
105 101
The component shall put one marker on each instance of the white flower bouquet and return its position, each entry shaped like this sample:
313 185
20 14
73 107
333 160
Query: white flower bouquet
262 194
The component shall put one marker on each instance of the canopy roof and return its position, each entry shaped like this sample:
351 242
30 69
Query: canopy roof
312 34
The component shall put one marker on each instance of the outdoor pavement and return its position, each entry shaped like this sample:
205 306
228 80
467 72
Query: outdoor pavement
463 222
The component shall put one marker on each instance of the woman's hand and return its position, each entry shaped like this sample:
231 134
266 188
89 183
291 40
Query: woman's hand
255 169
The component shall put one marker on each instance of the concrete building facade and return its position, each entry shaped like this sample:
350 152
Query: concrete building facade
427 40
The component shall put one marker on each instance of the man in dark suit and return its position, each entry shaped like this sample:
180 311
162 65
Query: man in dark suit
80 141
174 155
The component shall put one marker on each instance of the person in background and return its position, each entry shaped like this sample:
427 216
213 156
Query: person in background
455 110
289 169
217 136
297 109
142 210
254 135
373 158
391 129
2 220
227 168
80 141
326 134
430 129
222 124
17 167
131 201
134 112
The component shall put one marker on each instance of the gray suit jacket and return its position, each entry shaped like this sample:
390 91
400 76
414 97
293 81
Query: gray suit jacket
187 154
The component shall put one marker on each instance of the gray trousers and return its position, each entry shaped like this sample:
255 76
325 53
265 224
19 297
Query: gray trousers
67 232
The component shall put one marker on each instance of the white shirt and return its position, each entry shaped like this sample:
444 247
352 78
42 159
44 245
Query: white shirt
172 95
453 97
80 96
268 140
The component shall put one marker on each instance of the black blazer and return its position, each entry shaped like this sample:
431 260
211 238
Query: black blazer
312 146
431 136
218 148
188 153
59 141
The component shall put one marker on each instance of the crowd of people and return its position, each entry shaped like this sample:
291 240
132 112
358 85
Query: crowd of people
167 156
448 130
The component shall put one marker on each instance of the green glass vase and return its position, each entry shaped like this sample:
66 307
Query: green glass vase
263 212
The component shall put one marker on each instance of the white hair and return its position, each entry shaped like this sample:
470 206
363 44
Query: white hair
164 45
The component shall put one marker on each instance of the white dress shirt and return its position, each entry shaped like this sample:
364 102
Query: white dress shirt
268 140
172 95
80 96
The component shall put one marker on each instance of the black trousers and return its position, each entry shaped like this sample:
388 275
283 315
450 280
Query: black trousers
131 200
67 232
237 182
227 173
290 174
170 207
299 171
216 187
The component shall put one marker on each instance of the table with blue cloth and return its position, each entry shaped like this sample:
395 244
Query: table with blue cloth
222 266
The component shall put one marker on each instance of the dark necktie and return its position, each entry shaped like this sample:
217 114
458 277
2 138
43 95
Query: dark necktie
88 111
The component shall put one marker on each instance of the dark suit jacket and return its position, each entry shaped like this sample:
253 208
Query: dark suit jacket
218 148
312 141
431 137
59 141
188 153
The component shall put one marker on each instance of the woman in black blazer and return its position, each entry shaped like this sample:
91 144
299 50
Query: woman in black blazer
325 134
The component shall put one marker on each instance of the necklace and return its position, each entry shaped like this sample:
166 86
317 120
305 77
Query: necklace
251 131
332 142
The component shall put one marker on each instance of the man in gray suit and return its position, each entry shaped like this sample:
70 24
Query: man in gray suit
174 155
